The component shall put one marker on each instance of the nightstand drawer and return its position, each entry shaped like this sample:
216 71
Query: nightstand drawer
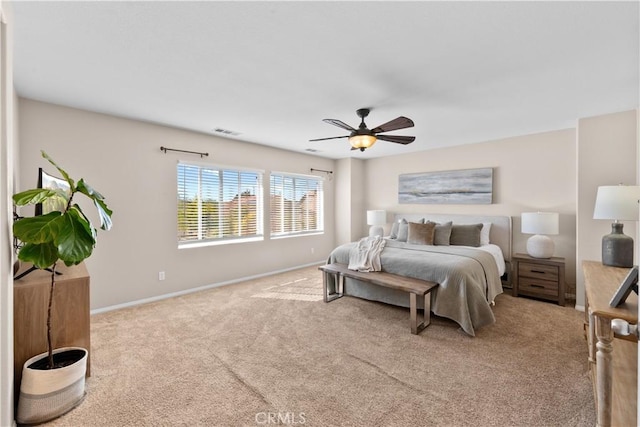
538 271
537 287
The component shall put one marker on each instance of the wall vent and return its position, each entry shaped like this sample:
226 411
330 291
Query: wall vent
226 132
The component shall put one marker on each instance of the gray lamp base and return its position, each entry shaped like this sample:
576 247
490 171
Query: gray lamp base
617 247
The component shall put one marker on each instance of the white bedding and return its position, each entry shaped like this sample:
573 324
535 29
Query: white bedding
497 254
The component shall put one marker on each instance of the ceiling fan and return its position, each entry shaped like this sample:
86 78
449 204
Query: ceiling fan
363 137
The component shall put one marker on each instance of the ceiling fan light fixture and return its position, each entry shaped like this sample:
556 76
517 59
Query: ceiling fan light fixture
363 137
362 142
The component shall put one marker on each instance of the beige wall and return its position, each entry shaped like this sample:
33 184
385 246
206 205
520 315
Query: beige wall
551 171
350 200
531 173
606 155
122 159
342 214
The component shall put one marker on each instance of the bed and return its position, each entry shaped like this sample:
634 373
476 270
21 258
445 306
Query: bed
469 277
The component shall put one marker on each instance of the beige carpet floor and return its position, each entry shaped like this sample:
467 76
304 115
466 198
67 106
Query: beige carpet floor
234 356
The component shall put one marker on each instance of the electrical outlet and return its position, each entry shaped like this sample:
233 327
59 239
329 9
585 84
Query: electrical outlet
313 251
161 275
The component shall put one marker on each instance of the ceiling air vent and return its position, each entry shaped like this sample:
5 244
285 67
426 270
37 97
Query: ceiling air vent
225 132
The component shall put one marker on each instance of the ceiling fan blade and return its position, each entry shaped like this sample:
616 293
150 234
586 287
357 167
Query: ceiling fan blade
400 139
333 137
395 124
339 123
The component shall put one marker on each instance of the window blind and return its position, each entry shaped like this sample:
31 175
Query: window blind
296 204
218 204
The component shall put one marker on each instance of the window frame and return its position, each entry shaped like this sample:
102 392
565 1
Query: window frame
221 168
319 230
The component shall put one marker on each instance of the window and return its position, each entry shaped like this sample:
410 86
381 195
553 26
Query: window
296 205
218 204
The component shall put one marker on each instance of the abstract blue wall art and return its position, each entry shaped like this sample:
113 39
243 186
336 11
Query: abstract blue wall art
466 186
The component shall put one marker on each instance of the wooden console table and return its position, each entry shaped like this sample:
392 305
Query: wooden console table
70 314
613 363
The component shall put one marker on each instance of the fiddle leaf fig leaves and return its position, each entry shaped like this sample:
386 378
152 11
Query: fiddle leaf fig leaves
89 191
98 200
66 235
37 229
73 240
86 223
37 195
64 174
105 214
42 255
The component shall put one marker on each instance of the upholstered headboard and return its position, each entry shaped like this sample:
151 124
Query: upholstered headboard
501 233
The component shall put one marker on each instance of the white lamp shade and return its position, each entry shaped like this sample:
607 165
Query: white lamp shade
617 202
540 223
377 217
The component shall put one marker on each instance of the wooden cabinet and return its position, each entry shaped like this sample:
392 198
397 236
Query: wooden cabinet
539 277
70 314
613 359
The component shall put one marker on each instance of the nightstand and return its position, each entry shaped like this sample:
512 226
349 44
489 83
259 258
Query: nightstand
539 277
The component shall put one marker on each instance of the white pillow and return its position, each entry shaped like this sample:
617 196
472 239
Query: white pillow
394 229
403 230
484 233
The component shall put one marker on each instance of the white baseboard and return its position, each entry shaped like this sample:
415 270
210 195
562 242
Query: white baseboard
198 289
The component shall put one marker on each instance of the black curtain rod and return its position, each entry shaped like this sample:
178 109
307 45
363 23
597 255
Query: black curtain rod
321 170
165 149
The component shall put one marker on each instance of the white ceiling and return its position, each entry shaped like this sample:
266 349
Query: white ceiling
464 72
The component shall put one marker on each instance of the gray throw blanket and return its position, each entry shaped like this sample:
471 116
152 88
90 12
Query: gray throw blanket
365 256
468 278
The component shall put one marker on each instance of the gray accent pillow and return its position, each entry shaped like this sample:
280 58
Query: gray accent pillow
394 230
421 234
403 230
465 234
443 234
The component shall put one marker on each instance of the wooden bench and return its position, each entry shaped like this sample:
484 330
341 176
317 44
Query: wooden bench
415 288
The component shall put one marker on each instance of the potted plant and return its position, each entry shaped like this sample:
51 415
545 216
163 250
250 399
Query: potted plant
53 382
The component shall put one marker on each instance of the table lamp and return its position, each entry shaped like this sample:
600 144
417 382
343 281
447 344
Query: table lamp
617 203
376 219
541 224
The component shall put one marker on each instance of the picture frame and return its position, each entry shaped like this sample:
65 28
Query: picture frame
630 283
464 186
46 180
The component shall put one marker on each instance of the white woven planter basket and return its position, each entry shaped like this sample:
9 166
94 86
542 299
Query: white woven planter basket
47 394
